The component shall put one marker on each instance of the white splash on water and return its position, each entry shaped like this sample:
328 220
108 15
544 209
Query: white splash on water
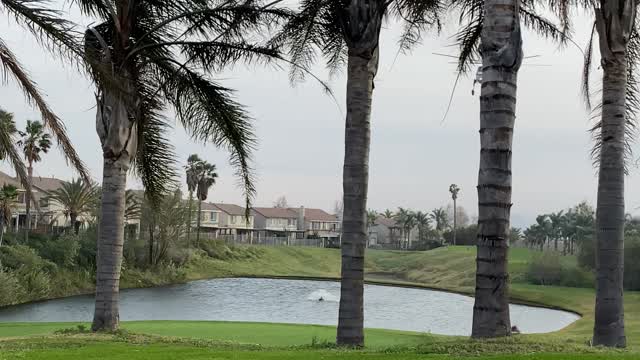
324 295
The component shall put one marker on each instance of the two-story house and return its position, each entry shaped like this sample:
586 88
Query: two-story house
277 222
45 214
386 233
233 221
317 223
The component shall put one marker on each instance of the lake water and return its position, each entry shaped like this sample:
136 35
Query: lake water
291 301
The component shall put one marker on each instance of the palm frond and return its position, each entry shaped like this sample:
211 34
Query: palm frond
11 153
11 67
210 114
417 16
48 26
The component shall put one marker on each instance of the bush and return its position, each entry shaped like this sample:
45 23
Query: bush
587 259
217 249
545 269
62 250
36 283
20 256
87 249
548 269
426 245
11 292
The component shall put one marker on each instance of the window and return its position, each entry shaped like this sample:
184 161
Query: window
21 198
213 217
292 222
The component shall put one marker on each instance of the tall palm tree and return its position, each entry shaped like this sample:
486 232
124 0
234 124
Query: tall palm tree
8 198
347 33
501 51
491 31
618 33
206 176
34 142
77 198
388 214
454 190
132 54
192 184
54 34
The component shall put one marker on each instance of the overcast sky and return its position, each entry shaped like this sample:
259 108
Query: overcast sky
414 157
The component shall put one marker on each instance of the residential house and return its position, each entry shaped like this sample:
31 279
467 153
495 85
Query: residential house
277 222
385 233
45 214
232 220
318 224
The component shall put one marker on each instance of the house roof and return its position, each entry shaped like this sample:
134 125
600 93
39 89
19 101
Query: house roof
231 209
207 206
47 183
390 223
278 213
317 215
9 180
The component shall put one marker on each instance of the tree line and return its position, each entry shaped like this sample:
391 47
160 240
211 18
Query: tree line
131 55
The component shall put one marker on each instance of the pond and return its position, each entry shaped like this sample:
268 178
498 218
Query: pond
291 301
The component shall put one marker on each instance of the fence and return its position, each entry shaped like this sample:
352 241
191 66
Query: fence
248 239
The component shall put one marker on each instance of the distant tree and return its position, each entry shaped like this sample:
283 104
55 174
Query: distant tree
207 176
388 214
191 169
515 235
454 190
165 224
372 215
281 203
439 217
34 142
76 198
407 221
132 206
423 222
8 198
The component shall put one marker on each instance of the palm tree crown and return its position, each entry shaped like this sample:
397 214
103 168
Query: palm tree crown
77 198
34 141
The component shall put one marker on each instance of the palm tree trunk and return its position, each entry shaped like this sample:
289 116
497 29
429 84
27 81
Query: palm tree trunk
74 219
118 137
501 48
361 73
609 310
198 226
110 244
151 241
190 217
28 201
455 221
1 231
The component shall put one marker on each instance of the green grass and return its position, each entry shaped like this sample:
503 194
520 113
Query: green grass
451 268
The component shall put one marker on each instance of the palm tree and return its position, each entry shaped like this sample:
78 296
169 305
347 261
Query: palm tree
132 55
206 175
372 215
34 141
347 33
77 198
423 222
165 223
8 197
54 34
388 214
616 25
192 183
133 206
454 190
492 32
439 216
8 149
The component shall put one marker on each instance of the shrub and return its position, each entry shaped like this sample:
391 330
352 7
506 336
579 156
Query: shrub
63 250
36 283
545 269
87 249
20 256
11 290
